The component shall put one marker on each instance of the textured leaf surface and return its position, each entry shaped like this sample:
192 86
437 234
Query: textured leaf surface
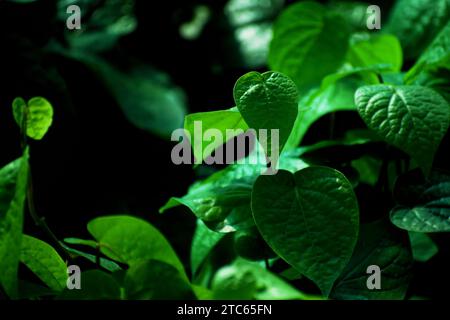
38 115
412 118
310 219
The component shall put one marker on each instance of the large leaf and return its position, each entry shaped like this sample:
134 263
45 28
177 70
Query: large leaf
228 122
423 205
245 280
377 245
45 262
310 219
156 280
308 43
412 118
437 55
222 200
131 240
35 118
13 184
415 22
267 101
203 242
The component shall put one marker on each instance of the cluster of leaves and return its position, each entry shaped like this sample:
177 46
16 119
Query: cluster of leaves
305 232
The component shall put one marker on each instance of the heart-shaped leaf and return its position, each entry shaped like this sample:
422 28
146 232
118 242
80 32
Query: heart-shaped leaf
412 118
424 205
35 117
310 219
267 101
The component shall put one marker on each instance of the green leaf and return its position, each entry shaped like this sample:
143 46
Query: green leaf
245 280
156 280
202 244
415 22
222 200
38 116
45 262
377 245
367 50
95 285
13 186
131 240
228 122
308 43
267 101
310 219
437 55
337 97
83 242
423 204
423 248
412 118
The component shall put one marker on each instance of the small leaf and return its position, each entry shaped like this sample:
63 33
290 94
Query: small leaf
310 219
308 43
156 280
379 245
245 280
45 262
412 118
38 115
267 101
131 240
13 186
423 248
423 205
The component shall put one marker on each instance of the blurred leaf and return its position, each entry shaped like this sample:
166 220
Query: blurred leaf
131 240
436 56
13 184
203 242
293 212
245 280
38 116
45 262
423 248
156 280
95 285
415 22
423 204
355 13
89 243
377 245
308 43
222 120
438 80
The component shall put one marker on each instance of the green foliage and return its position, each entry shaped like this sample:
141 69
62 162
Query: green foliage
423 248
34 117
320 220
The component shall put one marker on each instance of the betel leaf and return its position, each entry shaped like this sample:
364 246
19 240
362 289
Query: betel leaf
229 122
378 245
45 262
203 242
222 200
423 248
308 43
267 101
243 280
423 204
335 97
415 22
35 117
13 184
131 240
435 56
95 285
412 118
310 219
156 280
366 50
